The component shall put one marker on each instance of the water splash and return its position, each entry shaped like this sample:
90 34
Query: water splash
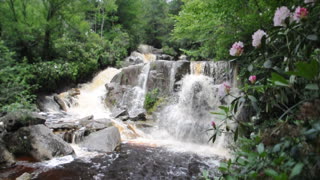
90 100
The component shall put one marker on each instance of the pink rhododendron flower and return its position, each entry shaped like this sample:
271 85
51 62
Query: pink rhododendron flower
237 49
256 38
224 89
213 124
253 79
300 13
280 16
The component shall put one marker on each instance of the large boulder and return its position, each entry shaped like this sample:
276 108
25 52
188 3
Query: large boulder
37 141
128 76
47 104
15 120
105 140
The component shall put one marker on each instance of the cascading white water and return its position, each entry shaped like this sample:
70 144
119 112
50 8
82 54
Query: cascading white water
90 100
133 100
189 119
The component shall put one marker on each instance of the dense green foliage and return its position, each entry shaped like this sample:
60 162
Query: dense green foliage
153 100
280 137
47 44
207 28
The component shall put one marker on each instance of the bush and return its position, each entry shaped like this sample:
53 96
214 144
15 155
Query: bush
152 100
281 80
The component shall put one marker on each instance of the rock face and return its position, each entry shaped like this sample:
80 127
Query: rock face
128 88
105 140
15 120
37 141
5 156
164 75
128 76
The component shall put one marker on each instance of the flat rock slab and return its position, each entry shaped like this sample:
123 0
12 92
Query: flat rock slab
105 140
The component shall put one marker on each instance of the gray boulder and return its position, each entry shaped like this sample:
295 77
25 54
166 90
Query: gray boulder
128 76
37 141
119 112
47 104
105 140
24 176
15 120
164 75
60 102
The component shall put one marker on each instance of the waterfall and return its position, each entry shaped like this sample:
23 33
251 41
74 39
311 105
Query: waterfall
90 100
189 118
133 99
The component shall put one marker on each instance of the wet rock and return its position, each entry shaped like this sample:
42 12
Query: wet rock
15 120
3 131
146 49
64 125
6 157
37 141
138 116
183 57
114 94
24 176
47 104
105 140
124 118
60 102
84 121
119 112
128 76
164 57
164 74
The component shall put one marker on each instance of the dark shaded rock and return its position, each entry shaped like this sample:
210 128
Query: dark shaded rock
138 116
47 103
105 140
119 112
3 131
6 158
164 57
37 141
60 102
124 118
15 120
64 125
25 176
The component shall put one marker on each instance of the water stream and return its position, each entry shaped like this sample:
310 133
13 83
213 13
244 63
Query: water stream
175 145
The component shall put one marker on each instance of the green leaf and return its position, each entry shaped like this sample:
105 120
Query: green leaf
296 170
306 70
279 80
236 133
224 108
267 64
312 37
271 172
252 98
215 113
260 148
312 87
250 67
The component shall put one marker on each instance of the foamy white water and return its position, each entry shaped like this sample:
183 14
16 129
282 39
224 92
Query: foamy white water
90 100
